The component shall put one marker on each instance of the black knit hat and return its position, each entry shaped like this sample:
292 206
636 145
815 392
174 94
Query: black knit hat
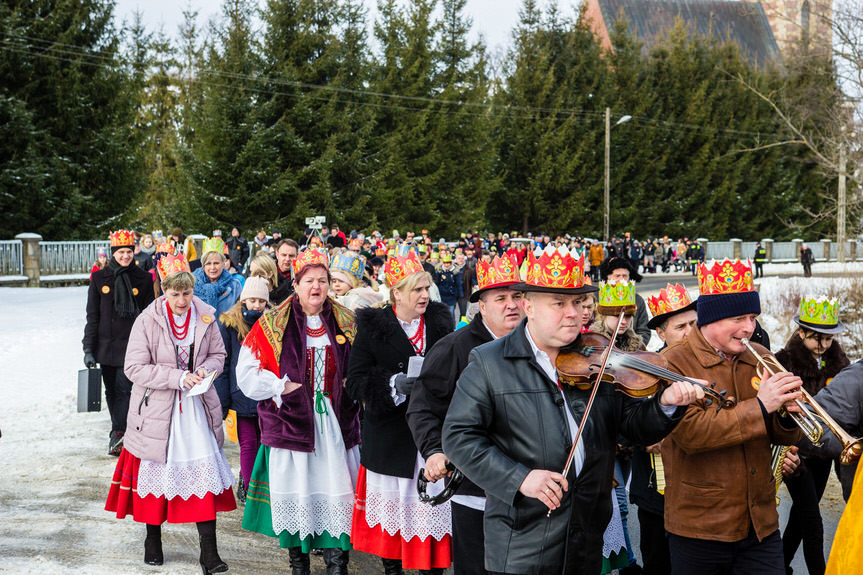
712 308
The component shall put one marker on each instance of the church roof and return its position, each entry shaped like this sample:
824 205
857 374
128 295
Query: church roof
744 23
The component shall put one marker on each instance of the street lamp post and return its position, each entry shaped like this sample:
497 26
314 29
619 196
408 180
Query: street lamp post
606 218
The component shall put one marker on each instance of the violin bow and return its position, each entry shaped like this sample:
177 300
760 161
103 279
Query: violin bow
591 398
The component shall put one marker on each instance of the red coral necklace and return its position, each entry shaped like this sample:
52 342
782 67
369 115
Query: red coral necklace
180 331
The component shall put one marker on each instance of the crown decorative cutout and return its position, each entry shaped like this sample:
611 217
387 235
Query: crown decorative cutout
617 294
671 298
311 257
725 277
405 249
819 311
399 267
166 248
170 264
348 262
500 272
214 244
122 239
555 268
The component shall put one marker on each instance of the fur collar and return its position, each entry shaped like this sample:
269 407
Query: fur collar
797 359
381 322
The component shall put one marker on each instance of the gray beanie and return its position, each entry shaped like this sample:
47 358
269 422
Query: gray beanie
257 287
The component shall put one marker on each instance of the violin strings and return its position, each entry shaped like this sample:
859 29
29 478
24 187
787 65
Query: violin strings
652 369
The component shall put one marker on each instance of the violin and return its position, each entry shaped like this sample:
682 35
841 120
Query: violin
636 373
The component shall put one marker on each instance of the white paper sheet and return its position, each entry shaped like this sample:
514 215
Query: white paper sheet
203 386
415 364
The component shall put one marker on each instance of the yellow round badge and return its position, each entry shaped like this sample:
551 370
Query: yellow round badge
134 291
206 318
340 339
106 289
756 383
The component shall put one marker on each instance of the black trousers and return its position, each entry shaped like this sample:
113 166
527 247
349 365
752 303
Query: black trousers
804 518
118 390
807 270
468 541
746 557
759 269
654 543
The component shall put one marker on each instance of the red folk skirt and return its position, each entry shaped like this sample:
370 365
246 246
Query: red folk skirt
124 500
414 554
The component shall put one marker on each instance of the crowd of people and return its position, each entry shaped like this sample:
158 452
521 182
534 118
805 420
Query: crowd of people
349 367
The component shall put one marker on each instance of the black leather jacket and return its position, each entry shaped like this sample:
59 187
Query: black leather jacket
506 419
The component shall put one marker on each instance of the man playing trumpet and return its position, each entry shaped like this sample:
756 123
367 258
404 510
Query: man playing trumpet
720 507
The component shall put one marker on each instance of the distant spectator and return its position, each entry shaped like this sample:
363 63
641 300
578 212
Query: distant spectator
807 259
261 242
101 261
238 249
286 252
144 249
275 239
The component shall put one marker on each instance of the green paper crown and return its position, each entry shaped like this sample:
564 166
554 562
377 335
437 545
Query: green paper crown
617 294
214 245
819 311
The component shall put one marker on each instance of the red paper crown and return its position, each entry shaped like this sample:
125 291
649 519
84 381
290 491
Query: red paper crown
171 264
166 248
500 272
555 268
122 239
398 267
311 257
670 299
726 277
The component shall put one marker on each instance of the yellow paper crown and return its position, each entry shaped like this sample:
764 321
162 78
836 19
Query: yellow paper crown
618 294
725 277
171 264
349 263
122 239
311 257
819 311
555 268
398 267
671 298
215 244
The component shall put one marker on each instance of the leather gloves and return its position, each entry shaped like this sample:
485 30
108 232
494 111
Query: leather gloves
89 360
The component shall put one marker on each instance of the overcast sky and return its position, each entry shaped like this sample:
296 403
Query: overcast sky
494 19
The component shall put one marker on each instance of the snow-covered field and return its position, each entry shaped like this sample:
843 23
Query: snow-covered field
54 474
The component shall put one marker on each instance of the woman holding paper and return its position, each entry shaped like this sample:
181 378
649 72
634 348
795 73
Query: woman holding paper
292 363
389 519
172 467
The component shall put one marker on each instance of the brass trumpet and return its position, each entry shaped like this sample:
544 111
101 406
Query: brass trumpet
810 413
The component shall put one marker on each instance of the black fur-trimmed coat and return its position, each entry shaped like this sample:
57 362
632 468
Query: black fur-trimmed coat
798 360
380 350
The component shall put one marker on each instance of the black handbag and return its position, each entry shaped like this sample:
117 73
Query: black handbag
90 389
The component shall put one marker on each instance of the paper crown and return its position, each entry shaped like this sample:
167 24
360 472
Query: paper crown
554 268
819 311
725 277
122 239
310 257
500 272
399 267
214 244
355 244
380 252
166 248
170 264
447 257
101 251
349 263
616 297
405 249
670 299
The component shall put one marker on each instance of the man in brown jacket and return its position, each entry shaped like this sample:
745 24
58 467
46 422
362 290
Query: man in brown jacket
720 507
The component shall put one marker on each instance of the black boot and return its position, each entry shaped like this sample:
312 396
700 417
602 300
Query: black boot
337 561
210 560
392 567
153 546
299 562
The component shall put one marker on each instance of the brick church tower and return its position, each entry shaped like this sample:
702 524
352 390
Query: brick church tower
800 24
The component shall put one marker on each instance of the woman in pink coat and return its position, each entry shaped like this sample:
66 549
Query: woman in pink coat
172 467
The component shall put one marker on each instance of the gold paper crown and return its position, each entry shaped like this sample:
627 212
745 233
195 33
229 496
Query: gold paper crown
617 295
671 298
349 263
166 248
500 272
171 264
122 239
819 311
725 277
310 257
398 267
215 244
555 268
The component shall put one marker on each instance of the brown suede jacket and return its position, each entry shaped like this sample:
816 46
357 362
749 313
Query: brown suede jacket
717 464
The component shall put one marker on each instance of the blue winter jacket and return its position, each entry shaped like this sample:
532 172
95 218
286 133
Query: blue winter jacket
226 382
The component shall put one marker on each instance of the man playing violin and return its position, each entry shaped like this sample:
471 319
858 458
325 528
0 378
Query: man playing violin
510 427
720 508
500 310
